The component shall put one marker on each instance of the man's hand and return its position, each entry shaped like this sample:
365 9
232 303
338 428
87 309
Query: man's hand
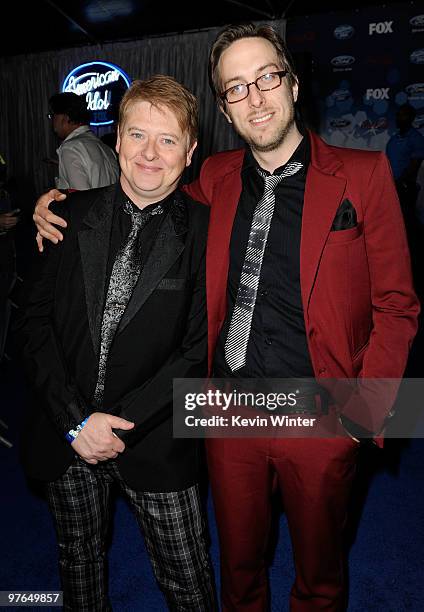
44 219
96 441
8 220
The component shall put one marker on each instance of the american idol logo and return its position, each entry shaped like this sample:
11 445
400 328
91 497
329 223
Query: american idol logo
343 32
417 21
417 56
416 90
376 125
342 61
102 84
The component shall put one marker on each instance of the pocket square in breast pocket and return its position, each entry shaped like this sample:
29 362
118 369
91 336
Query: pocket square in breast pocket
345 217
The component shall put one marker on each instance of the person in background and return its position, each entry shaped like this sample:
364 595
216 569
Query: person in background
405 150
9 218
85 162
109 319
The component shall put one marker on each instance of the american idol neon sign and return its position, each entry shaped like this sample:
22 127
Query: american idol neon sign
103 85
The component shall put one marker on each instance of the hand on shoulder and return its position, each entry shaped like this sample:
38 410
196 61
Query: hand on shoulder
46 220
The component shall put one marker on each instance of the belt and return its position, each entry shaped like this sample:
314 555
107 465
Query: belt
315 403
311 398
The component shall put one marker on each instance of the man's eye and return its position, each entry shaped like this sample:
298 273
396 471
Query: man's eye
136 135
237 89
267 78
168 141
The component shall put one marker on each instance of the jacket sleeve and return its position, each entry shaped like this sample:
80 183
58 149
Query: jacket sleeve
189 360
395 306
201 189
195 191
38 344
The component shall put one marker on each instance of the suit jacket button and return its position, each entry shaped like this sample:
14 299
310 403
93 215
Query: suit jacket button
322 370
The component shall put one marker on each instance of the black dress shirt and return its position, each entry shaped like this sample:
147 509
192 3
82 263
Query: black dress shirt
277 343
121 227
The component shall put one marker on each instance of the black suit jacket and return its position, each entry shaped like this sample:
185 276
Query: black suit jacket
162 335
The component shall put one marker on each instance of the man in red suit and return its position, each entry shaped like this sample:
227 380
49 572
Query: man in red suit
308 276
334 299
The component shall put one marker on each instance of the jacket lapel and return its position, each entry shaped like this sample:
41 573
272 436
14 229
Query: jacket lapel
165 251
323 194
226 198
93 242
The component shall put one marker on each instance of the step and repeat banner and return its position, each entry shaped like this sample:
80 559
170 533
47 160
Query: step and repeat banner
357 68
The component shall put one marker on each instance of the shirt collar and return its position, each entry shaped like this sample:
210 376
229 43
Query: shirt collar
406 134
79 130
302 154
122 197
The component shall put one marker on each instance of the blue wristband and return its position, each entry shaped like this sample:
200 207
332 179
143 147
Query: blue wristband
74 433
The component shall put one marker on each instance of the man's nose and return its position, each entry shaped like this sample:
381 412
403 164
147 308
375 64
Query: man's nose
149 149
256 97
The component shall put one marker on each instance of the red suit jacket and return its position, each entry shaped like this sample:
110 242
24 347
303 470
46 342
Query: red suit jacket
358 300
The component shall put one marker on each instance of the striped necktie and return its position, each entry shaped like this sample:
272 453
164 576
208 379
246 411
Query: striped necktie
241 320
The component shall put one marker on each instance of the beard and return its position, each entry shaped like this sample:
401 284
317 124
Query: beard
276 139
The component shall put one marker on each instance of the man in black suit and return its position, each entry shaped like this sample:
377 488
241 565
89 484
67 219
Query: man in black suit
111 317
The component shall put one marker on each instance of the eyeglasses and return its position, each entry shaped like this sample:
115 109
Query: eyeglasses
265 82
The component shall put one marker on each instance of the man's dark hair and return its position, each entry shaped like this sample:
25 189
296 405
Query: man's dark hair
70 104
233 33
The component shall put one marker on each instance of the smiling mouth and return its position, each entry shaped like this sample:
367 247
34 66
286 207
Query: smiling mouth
262 119
150 169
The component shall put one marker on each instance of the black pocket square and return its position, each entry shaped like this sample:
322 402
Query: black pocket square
345 217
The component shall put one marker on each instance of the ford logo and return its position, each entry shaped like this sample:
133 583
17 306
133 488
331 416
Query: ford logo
341 94
417 56
417 21
102 85
419 121
415 88
340 123
342 60
342 32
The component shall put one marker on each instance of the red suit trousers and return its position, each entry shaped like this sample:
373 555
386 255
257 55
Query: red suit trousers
314 477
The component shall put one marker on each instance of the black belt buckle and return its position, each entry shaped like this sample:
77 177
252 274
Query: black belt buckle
305 404
308 402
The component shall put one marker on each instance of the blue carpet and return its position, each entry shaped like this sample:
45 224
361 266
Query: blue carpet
385 562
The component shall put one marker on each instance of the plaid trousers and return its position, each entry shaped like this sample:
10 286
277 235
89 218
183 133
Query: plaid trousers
173 528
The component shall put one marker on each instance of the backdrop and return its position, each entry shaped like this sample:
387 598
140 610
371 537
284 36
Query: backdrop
355 68
27 82
358 68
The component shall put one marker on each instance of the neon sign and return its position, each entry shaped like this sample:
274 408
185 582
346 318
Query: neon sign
102 84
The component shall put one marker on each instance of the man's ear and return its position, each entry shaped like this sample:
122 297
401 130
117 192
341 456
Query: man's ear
118 141
295 89
190 153
221 106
